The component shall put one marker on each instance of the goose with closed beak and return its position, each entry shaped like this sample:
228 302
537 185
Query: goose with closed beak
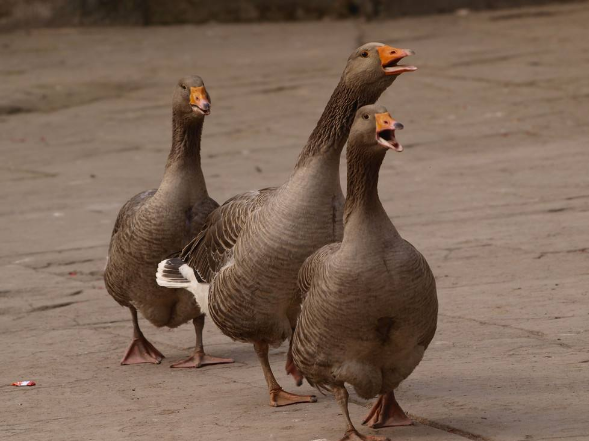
156 223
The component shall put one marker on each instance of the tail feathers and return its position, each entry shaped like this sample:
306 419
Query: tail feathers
169 274
175 273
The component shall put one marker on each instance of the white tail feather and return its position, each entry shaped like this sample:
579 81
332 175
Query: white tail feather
173 273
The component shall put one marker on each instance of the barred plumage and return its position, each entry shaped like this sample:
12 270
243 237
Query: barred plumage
212 247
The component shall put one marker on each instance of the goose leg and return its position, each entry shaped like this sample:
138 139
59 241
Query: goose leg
140 350
341 396
199 358
291 368
278 397
386 412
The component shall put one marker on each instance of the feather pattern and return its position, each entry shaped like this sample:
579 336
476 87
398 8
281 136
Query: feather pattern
313 262
212 247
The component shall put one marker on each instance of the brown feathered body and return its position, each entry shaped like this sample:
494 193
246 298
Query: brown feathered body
254 297
370 304
156 223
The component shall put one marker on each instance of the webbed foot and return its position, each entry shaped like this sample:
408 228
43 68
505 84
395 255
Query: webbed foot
386 412
142 351
280 398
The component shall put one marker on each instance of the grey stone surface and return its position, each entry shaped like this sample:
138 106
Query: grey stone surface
493 188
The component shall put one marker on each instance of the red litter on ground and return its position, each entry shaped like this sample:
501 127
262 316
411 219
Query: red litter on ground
24 383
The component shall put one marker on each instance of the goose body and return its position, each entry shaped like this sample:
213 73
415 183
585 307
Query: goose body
259 248
149 226
259 282
369 312
156 223
370 304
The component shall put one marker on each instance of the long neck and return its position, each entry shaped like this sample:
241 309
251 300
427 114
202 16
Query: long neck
333 128
185 141
183 167
363 210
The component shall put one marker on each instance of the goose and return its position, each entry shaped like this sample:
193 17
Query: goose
370 304
154 224
251 248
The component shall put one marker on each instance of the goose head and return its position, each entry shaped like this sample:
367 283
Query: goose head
191 98
376 64
374 130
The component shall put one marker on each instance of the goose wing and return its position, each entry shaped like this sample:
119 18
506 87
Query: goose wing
123 223
314 266
211 248
128 211
197 217
419 266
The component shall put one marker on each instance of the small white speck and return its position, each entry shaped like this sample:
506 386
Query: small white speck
494 114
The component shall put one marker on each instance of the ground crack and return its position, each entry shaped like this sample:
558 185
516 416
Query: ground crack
449 429
54 306
72 262
534 334
578 250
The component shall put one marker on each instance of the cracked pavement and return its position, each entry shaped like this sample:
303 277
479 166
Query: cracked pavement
493 188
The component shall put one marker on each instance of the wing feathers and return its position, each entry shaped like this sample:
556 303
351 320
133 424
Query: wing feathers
208 252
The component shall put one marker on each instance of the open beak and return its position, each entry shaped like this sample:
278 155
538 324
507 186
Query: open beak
199 100
385 131
390 56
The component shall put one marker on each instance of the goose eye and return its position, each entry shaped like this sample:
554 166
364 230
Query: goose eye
364 54
183 86
365 116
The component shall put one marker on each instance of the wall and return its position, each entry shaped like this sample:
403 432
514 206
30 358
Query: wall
18 14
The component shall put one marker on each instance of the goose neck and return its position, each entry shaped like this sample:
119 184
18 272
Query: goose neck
363 205
183 167
333 127
186 136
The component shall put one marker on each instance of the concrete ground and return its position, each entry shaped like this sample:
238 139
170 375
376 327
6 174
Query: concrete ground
493 188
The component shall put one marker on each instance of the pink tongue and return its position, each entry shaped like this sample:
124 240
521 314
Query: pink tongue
402 68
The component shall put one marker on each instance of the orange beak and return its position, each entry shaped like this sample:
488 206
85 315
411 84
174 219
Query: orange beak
385 131
390 56
199 100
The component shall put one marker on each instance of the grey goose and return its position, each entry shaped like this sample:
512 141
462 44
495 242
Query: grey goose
156 223
370 304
